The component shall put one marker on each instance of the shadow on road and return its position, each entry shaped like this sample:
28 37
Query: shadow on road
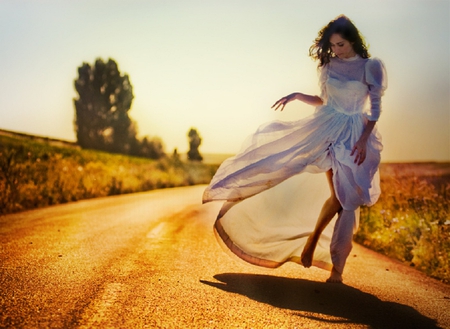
330 303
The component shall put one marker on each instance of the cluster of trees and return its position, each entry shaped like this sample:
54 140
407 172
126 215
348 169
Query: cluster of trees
102 121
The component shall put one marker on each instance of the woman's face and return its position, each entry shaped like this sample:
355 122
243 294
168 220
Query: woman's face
340 47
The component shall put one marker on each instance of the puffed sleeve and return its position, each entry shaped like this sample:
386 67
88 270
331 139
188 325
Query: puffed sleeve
323 75
376 79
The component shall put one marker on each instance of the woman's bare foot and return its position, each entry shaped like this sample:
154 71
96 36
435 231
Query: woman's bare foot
308 252
335 277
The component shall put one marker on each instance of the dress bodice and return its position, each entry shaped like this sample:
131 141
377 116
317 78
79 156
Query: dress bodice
346 85
346 97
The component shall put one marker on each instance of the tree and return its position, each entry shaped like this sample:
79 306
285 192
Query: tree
101 110
194 142
150 148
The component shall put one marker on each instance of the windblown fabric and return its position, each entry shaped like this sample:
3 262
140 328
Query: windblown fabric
268 231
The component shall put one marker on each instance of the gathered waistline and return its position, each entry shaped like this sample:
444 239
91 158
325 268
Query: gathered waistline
340 110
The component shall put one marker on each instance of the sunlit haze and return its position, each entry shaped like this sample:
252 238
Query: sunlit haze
218 66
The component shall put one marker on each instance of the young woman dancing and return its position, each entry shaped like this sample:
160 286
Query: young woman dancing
340 139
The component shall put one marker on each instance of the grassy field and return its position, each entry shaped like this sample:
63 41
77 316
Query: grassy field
410 222
36 173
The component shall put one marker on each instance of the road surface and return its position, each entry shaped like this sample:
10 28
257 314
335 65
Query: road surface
150 260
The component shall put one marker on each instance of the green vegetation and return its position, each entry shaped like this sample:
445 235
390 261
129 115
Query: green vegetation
411 221
35 174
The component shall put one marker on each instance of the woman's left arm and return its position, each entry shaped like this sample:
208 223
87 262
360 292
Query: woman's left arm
376 81
360 147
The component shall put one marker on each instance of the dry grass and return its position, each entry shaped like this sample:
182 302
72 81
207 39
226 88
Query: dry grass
411 221
35 174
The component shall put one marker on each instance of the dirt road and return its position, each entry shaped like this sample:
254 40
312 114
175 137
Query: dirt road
150 260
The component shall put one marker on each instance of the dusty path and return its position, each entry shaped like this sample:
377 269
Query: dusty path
150 260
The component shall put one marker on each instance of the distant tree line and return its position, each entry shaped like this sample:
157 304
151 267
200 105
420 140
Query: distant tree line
102 121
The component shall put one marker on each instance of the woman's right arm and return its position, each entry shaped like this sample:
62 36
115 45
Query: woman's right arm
308 99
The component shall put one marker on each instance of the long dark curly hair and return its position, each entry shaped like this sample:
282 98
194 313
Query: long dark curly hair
342 25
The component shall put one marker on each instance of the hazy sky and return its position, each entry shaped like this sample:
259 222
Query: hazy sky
218 66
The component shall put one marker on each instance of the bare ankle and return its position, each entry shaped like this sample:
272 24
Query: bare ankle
308 252
335 276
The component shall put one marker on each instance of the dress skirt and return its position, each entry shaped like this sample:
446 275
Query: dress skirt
270 228
273 195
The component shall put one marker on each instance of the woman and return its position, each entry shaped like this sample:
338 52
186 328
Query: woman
339 139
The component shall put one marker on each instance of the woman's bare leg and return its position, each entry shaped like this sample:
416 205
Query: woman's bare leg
329 210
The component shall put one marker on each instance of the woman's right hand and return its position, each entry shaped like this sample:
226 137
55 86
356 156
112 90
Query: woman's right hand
283 101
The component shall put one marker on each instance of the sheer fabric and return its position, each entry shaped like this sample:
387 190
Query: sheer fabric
279 151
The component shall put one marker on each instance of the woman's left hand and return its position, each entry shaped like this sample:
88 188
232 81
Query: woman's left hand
359 150
283 101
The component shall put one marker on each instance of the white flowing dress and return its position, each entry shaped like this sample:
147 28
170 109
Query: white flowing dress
270 209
